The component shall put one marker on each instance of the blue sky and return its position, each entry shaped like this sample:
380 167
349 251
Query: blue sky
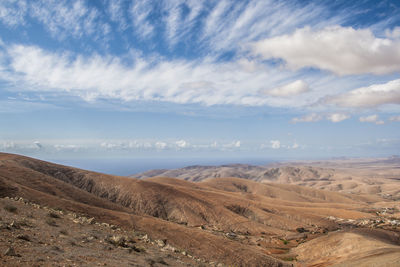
197 79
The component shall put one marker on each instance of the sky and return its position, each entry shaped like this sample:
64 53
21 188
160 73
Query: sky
202 80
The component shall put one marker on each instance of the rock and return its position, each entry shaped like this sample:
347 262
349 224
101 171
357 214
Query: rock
15 225
11 252
231 235
160 243
24 237
170 248
117 240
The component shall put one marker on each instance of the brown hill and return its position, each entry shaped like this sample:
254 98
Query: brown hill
368 177
229 220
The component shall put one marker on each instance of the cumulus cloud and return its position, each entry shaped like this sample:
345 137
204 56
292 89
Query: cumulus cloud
369 97
342 50
182 144
275 144
372 118
337 117
295 146
288 90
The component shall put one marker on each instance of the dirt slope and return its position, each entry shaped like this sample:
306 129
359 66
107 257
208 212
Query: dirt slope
226 220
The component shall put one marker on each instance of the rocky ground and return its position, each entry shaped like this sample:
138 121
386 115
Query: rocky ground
33 235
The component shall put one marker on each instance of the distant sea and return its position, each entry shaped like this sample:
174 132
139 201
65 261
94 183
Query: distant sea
125 167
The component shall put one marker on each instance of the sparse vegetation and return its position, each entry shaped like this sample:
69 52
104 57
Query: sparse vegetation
10 208
63 232
285 242
54 215
24 237
51 222
289 259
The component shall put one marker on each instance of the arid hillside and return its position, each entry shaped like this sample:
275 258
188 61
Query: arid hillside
224 221
380 177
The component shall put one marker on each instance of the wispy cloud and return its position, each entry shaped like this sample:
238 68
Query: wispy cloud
372 118
140 12
395 118
67 18
12 12
178 81
314 117
289 90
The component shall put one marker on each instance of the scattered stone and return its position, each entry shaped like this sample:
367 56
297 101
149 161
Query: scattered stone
24 237
170 248
11 252
116 240
160 243
231 235
15 225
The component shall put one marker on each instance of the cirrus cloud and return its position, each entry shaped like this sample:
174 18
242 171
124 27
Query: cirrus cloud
373 119
288 90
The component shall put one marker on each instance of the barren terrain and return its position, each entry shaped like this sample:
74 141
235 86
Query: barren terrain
281 221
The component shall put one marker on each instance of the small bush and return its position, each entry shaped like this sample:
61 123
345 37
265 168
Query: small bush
51 222
11 208
54 215
64 232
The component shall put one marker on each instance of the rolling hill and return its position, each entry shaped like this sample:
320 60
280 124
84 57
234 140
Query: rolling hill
226 221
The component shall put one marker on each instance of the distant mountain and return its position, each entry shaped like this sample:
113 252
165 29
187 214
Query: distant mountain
365 176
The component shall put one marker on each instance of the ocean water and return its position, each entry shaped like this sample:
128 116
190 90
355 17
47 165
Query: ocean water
125 167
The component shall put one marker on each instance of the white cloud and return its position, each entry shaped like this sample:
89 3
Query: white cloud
178 81
372 118
295 146
160 145
140 12
275 144
116 11
67 18
182 144
337 117
63 147
395 118
289 90
38 144
369 97
342 50
13 12
313 117
234 144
